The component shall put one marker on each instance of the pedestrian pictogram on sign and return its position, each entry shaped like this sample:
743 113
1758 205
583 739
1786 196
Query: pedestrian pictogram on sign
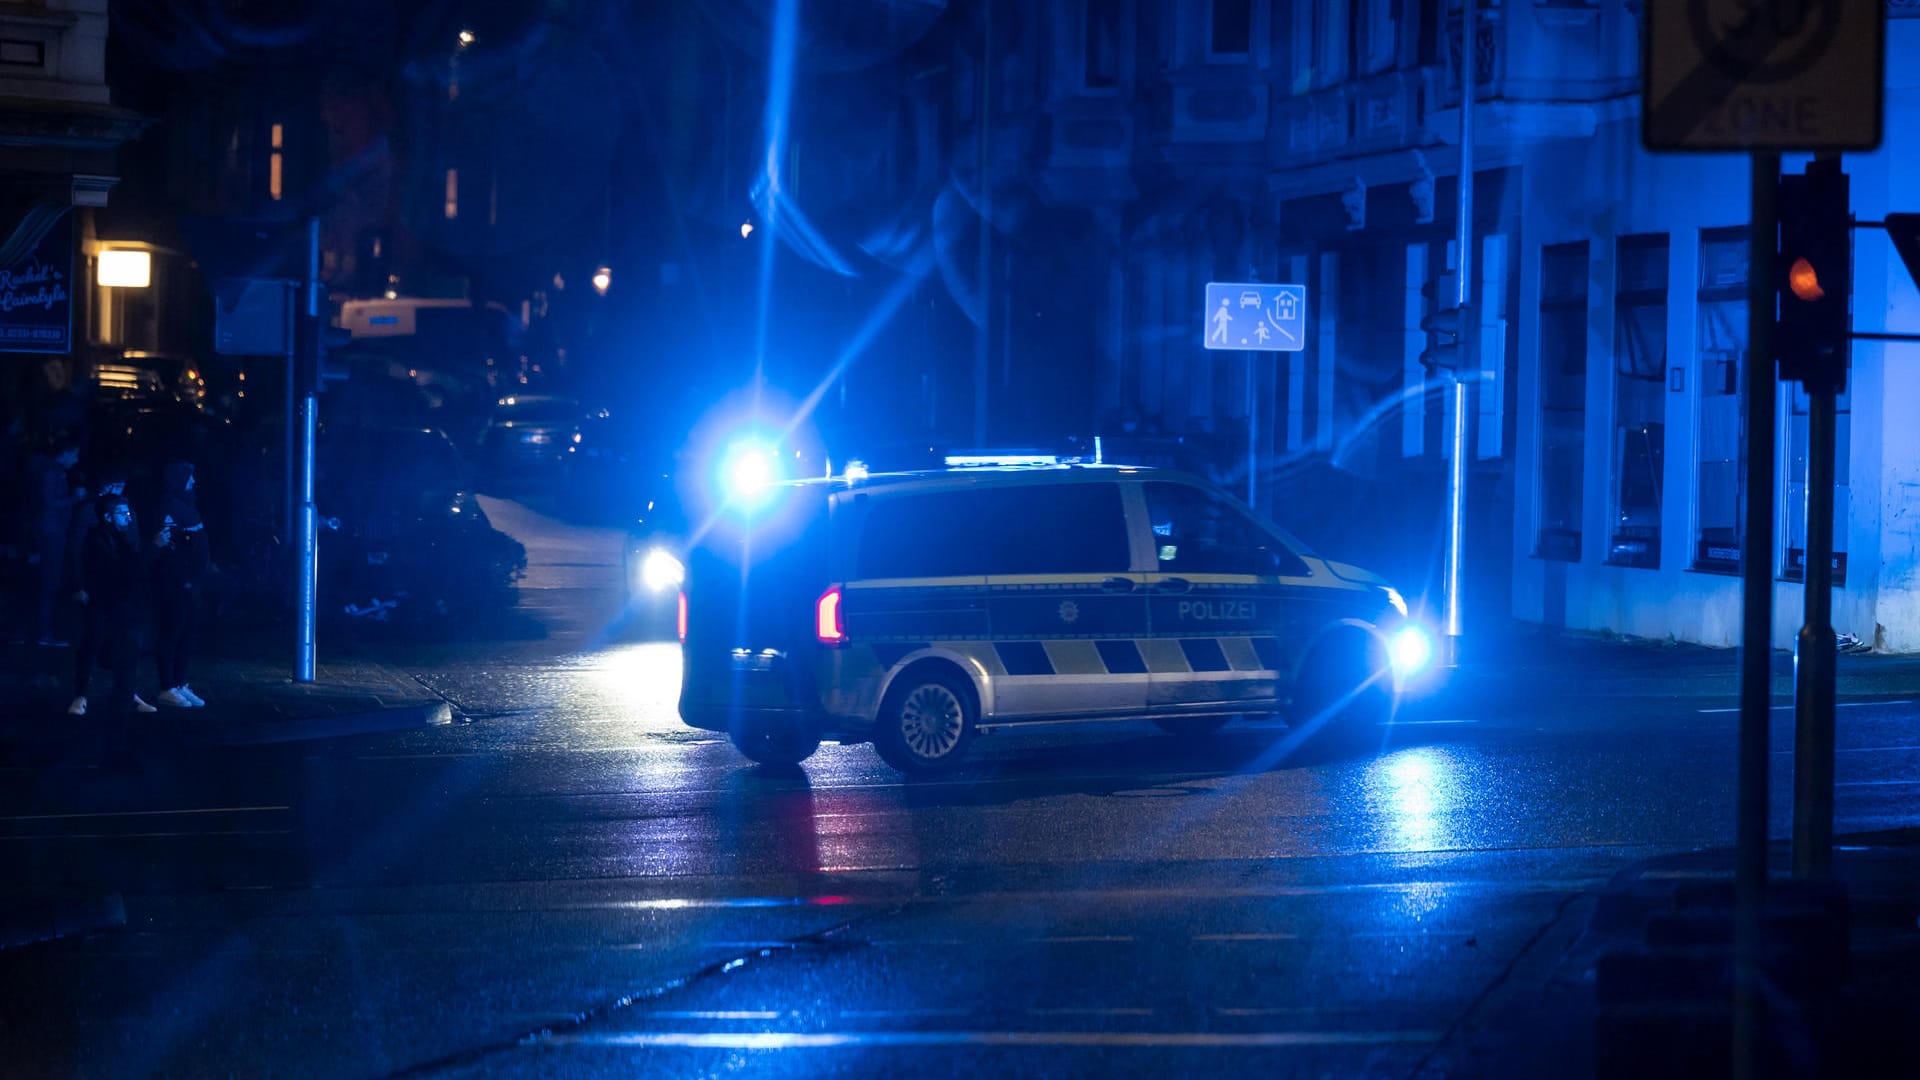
1261 318
1763 74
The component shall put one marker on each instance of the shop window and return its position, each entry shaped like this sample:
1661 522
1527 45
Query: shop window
1639 401
1563 400
1718 369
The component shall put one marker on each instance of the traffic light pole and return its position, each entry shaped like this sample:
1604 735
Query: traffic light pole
1457 387
1756 630
1814 657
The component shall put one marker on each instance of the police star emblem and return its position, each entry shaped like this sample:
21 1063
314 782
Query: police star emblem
1069 611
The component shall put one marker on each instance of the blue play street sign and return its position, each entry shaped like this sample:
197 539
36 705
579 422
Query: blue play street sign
1256 317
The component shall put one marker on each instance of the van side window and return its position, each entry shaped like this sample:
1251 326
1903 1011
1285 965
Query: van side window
1196 532
1017 529
1057 529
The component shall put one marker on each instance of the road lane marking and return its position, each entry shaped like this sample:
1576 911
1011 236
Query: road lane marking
1875 783
897 1014
1246 937
1837 705
1081 939
143 813
1070 1011
714 1014
795 1040
147 835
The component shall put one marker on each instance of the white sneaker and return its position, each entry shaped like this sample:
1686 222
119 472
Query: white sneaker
172 696
140 705
186 691
78 708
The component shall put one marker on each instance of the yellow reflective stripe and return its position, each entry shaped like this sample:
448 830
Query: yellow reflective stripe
1240 654
918 583
1074 656
1163 656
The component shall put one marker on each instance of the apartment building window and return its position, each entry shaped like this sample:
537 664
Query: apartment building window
1230 29
1793 508
1102 43
1639 401
275 166
1722 355
453 194
1374 44
1563 399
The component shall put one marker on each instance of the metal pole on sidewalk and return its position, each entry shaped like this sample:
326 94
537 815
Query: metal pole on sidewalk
1457 387
1253 430
1814 660
1756 627
307 326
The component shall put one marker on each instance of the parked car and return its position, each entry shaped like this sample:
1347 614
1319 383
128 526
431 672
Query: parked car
404 536
530 437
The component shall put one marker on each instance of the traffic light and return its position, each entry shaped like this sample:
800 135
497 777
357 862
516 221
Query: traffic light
1446 329
1813 273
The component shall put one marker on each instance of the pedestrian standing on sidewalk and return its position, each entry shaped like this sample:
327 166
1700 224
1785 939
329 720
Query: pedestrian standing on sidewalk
180 568
53 497
117 590
86 521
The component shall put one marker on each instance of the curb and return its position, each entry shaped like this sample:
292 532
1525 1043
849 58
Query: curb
30 920
373 721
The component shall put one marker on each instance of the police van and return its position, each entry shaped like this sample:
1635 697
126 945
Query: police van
919 610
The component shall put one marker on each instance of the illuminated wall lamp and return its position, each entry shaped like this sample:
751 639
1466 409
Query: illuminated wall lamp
125 269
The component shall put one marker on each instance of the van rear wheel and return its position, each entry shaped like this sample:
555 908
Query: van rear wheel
773 746
925 724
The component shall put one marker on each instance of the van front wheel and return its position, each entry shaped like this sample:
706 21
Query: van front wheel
925 724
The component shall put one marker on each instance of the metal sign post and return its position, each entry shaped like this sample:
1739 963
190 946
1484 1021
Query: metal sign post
1251 317
1756 624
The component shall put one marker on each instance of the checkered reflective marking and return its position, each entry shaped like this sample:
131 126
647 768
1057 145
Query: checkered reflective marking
1146 656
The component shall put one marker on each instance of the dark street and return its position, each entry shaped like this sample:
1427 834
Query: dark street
570 882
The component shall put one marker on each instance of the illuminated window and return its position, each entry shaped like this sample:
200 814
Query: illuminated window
453 194
1563 400
1721 357
1639 401
274 164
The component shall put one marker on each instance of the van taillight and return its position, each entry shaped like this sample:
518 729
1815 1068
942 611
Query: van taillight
826 618
683 616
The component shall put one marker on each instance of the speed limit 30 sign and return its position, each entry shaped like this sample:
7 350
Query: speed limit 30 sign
1783 75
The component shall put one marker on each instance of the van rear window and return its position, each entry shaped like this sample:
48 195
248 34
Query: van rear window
1025 529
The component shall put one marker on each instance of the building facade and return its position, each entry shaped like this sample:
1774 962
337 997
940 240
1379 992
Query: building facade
1317 143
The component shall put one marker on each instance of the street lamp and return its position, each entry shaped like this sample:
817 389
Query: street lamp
466 38
602 280
746 229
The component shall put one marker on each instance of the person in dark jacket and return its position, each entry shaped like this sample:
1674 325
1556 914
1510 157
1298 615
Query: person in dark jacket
53 497
86 521
117 591
180 569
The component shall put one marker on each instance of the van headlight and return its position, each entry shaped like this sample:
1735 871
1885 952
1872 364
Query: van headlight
661 571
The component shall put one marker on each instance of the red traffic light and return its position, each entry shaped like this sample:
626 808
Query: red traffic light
1804 280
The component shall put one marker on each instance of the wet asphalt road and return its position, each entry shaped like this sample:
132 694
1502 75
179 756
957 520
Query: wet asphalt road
574 884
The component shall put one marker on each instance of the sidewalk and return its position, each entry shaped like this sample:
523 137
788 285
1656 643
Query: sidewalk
251 700
1520 660
1635 982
